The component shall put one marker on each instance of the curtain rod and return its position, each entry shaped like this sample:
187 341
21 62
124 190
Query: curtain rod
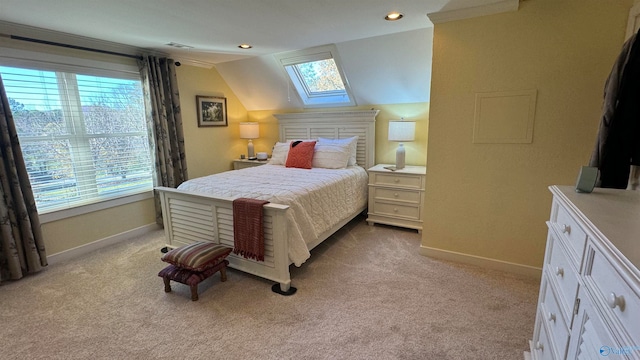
22 38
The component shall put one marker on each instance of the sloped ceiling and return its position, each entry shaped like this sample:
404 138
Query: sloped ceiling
388 69
385 62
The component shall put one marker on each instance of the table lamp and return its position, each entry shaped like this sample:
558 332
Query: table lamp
249 130
400 130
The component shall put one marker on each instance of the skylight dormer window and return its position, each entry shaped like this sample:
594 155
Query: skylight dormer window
317 76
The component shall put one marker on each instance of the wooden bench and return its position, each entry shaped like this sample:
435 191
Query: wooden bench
193 263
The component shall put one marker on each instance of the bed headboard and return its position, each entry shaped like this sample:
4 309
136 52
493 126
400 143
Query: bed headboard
334 125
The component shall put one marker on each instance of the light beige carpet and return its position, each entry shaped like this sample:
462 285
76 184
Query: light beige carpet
365 293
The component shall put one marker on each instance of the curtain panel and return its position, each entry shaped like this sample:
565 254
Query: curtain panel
22 248
164 121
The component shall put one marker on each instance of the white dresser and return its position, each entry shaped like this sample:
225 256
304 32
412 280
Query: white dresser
589 303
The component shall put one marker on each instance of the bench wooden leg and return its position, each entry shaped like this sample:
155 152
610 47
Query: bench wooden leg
223 274
194 292
167 285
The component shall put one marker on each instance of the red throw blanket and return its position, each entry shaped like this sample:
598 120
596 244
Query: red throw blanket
248 229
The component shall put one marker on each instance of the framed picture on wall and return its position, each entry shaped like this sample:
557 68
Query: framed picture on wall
212 111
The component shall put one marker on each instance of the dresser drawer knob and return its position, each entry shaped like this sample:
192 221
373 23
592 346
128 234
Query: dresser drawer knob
559 271
395 194
395 209
539 346
552 317
396 180
615 301
566 229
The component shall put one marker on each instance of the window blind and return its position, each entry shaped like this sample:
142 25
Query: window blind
83 136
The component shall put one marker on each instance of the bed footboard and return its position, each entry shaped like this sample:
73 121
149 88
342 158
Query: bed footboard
189 217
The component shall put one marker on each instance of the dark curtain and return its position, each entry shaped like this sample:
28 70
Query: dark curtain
21 243
162 101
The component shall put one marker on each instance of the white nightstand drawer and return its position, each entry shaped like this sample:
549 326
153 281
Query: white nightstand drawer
612 290
395 210
396 194
563 274
397 180
569 229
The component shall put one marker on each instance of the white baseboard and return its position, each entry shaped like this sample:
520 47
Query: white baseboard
526 270
99 244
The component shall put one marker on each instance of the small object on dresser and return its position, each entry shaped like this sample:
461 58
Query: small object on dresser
586 179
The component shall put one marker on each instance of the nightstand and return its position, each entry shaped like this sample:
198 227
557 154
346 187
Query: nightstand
396 197
245 163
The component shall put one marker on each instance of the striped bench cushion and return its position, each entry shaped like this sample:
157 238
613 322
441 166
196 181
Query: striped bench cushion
198 256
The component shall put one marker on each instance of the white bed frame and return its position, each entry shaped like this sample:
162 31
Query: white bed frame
190 217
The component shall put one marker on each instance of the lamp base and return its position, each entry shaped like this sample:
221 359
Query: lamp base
400 157
250 152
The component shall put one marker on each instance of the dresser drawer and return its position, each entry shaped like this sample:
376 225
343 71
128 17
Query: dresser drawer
395 194
555 321
573 234
611 289
395 210
397 180
541 347
563 274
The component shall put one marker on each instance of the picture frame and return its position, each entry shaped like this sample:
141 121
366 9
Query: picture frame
212 111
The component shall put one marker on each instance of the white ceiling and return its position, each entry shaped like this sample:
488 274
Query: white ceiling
216 27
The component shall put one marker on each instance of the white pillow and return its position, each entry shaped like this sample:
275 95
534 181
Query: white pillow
353 146
331 156
279 153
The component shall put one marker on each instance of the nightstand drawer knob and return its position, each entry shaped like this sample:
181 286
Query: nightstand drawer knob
539 346
396 180
615 301
566 229
559 271
395 194
552 317
395 209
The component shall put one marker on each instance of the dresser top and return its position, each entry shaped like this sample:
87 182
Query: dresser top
611 214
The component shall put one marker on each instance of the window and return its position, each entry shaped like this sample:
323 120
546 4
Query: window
317 77
83 134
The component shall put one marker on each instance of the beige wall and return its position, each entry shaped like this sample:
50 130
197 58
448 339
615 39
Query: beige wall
209 149
81 230
491 200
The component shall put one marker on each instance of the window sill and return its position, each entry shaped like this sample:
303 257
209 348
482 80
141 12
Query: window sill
85 209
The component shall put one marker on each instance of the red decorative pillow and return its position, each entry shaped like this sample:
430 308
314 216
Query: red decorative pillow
300 154
198 256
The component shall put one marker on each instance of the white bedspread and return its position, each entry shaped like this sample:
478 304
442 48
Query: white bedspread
318 198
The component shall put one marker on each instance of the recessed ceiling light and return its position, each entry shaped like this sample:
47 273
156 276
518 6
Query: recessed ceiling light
393 16
245 46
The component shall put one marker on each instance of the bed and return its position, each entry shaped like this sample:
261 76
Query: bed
201 209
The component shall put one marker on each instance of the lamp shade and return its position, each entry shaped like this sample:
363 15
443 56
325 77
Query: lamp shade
402 130
249 130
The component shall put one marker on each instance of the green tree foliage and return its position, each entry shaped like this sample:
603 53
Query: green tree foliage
321 75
